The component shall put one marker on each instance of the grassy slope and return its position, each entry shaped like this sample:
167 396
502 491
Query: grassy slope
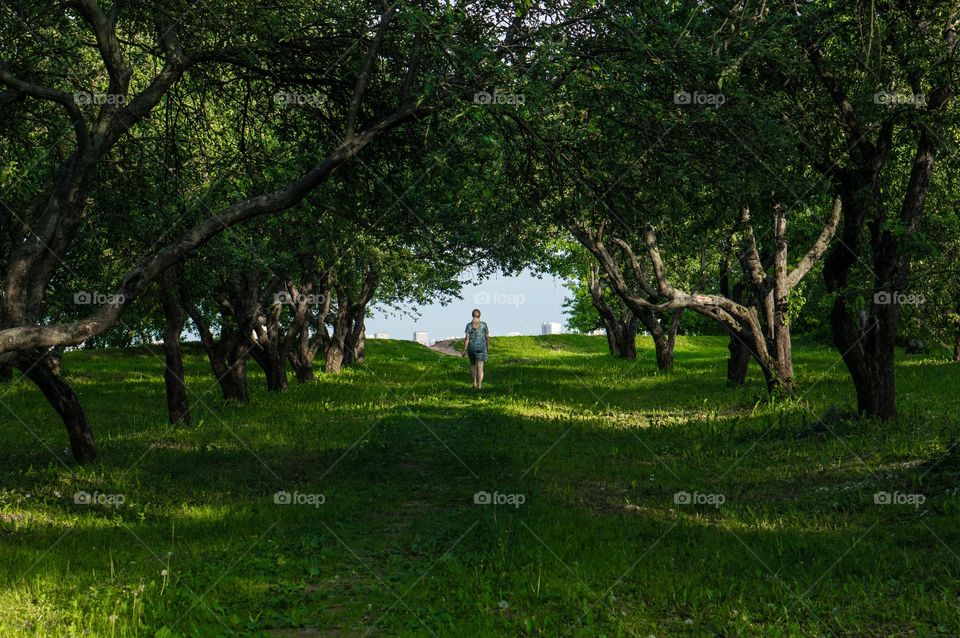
597 447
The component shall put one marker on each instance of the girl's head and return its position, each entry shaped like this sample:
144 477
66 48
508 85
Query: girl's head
476 313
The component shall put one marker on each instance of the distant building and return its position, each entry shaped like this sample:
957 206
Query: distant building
514 334
551 328
421 337
597 332
381 335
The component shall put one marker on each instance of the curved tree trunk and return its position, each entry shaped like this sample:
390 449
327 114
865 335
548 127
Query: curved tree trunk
40 368
621 330
174 318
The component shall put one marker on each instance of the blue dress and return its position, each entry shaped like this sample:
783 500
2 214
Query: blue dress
477 344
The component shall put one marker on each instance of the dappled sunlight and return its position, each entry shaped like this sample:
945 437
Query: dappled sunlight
610 467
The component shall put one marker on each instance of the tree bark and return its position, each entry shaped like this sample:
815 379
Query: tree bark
779 321
663 340
39 368
621 330
956 344
867 339
6 373
302 364
333 356
274 366
737 362
316 289
742 321
355 344
227 356
233 377
174 318
621 337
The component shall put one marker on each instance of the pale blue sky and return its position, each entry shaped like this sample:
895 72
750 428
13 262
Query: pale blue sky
508 304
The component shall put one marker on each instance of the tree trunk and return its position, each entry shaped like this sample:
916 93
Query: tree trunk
6 373
302 371
39 368
233 381
301 356
274 367
354 344
333 356
956 344
737 362
621 331
174 318
868 347
865 339
780 327
621 337
229 363
356 341
663 341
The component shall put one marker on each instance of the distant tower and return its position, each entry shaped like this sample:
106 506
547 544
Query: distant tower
421 337
550 328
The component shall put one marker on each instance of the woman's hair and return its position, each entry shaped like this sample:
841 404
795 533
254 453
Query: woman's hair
475 312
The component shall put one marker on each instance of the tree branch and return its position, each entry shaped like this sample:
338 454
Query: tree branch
819 246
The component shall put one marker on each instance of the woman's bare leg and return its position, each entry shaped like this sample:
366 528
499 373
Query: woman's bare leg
473 373
479 374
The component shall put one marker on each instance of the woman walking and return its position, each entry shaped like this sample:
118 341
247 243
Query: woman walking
476 342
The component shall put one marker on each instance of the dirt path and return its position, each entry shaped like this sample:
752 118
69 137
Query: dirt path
446 347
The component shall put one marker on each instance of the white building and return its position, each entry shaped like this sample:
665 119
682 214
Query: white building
551 328
421 337
381 335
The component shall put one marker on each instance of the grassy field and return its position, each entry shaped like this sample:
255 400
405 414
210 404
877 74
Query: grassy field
627 502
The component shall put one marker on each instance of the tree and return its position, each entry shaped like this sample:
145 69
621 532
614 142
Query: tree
53 211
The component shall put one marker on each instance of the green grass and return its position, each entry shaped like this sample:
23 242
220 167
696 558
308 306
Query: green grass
598 448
